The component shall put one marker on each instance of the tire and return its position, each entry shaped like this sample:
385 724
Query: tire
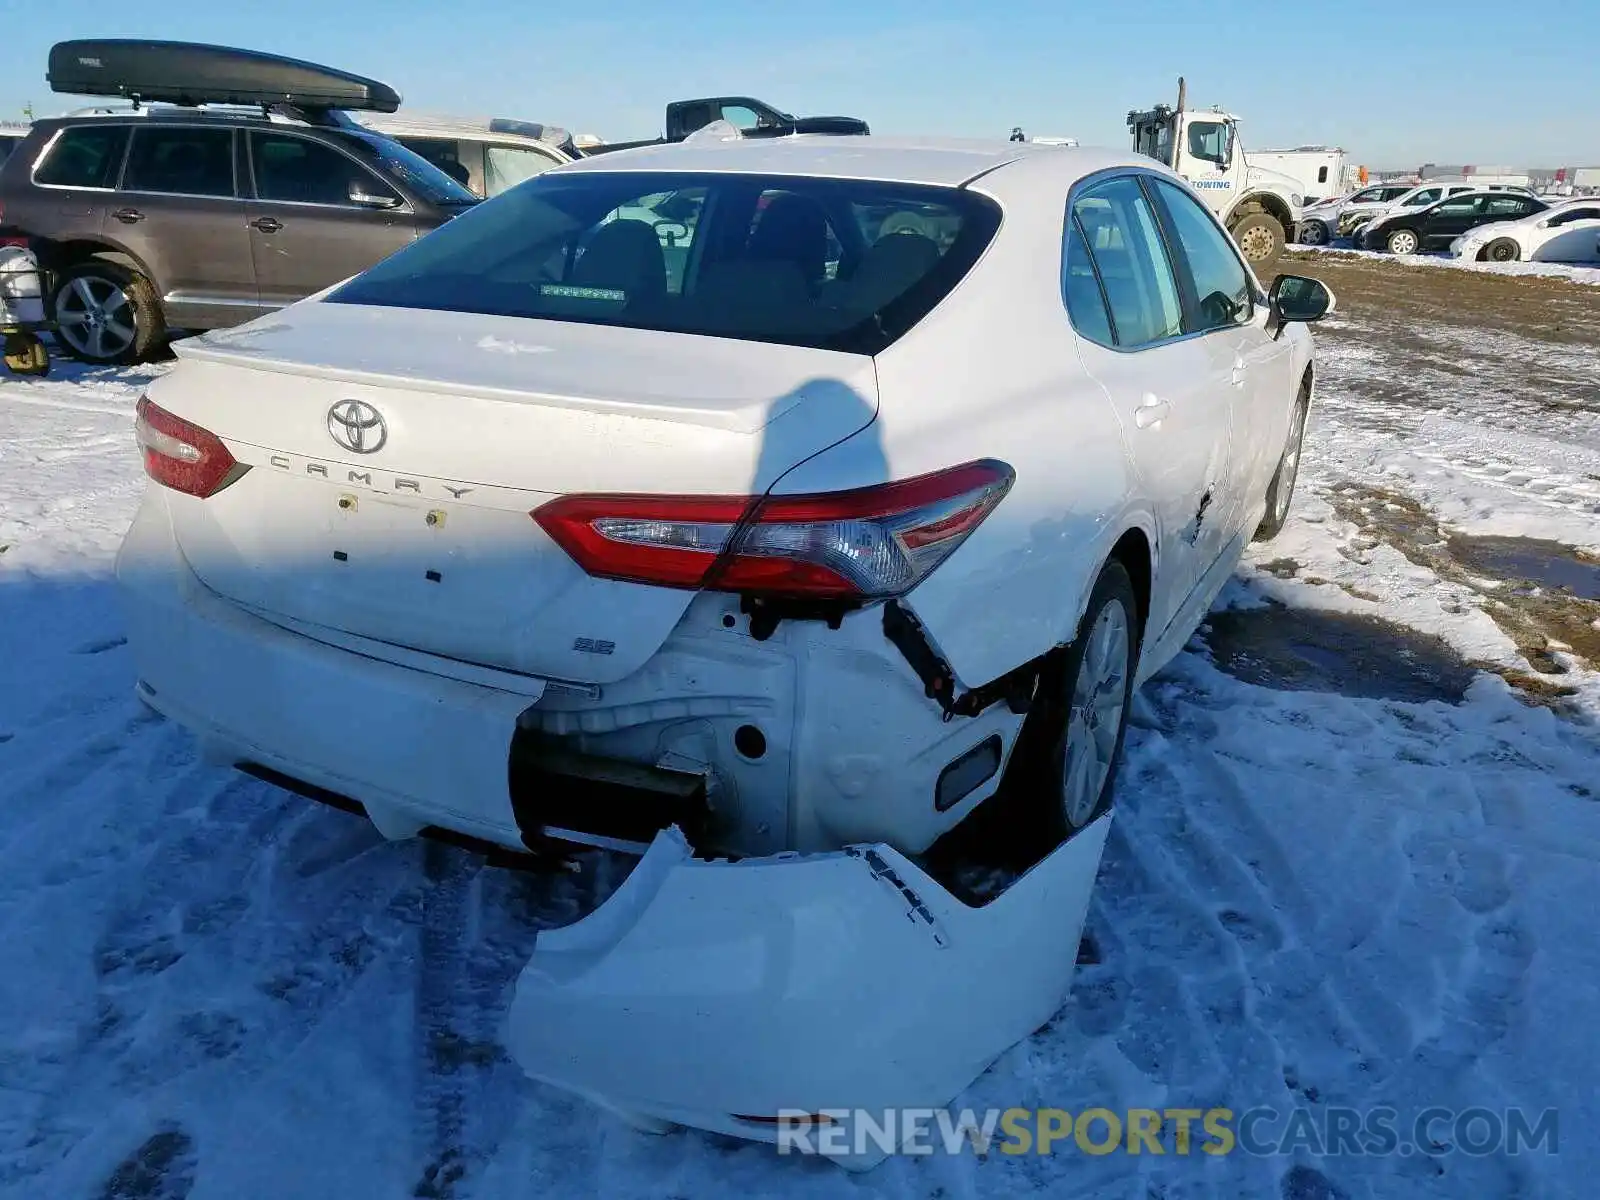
106 314
1500 250
1280 492
1402 241
1315 233
1051 802
1259 236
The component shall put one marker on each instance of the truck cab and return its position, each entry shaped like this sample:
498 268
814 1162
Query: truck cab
1259 207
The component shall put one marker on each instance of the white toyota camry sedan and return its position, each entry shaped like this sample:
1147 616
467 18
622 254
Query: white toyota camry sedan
867 492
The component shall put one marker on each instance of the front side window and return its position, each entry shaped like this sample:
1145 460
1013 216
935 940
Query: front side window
297 170
1122 235
1426 196
1464 207
393 161
1208 140
1393 193
506 166
1571 215
1222 286
180 162
86 156
692 253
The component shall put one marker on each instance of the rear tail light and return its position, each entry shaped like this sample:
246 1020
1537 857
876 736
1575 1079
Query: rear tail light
865 544
182 456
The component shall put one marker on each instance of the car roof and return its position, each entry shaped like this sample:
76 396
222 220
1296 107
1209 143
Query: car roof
948 162
447 125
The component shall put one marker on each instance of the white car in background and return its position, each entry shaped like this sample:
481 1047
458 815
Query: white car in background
1567 233
800 557
1327 219
488 155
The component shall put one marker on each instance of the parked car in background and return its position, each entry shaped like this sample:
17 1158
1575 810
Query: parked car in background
1567 232
1434 226
204 214
1326 219
759 557
1423 194
487 155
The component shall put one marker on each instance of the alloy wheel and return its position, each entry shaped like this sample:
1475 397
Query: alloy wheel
1099 696
95 318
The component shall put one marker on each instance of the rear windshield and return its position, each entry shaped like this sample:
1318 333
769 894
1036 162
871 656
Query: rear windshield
417 173
834 264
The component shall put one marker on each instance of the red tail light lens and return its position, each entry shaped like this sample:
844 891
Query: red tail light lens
182 456
866 544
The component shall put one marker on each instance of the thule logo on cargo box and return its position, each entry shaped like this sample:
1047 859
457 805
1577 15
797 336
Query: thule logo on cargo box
378 482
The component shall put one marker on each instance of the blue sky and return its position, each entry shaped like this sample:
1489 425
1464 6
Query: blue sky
1395 83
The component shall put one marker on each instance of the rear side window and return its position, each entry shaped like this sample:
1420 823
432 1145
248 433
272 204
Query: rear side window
1086 305
179 161
86 156
834 264
1130 257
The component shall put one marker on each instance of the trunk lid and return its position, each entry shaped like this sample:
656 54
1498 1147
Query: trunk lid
422 539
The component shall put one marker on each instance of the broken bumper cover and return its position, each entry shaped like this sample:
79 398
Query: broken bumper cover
723 995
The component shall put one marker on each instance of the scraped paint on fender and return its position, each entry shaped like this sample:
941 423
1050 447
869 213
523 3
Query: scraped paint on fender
846 980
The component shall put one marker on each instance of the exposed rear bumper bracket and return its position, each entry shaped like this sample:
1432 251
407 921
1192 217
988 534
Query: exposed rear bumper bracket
556 790
907 635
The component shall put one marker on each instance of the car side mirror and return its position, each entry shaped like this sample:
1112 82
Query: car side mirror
1297 298
360 195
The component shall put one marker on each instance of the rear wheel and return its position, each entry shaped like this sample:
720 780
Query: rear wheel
1402 241
1314 233
1500 250
107 314
1260 237
1070 747
1280 492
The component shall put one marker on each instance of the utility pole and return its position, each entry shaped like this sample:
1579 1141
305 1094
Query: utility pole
27 111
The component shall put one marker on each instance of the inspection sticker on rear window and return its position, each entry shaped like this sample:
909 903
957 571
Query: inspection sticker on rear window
570 291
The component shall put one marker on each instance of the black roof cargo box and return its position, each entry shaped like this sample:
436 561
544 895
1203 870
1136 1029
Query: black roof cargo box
190 73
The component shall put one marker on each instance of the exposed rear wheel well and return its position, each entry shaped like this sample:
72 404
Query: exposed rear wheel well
1133 552
62 255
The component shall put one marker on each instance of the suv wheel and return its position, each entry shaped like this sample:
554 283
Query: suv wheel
106 314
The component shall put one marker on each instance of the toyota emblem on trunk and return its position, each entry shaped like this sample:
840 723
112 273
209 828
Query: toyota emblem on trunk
357 426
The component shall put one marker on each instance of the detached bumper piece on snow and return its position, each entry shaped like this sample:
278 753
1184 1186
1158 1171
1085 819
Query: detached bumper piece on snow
723 995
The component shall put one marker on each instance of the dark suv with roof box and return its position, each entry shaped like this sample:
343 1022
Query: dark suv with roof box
183 217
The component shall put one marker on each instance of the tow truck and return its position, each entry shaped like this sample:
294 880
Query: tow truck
1260 208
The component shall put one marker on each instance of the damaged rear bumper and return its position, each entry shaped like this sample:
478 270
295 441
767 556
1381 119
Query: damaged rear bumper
722 995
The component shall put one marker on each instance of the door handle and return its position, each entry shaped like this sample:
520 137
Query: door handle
128 215
267 224
1151 410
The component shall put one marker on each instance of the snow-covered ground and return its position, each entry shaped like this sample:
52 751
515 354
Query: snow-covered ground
1348 869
